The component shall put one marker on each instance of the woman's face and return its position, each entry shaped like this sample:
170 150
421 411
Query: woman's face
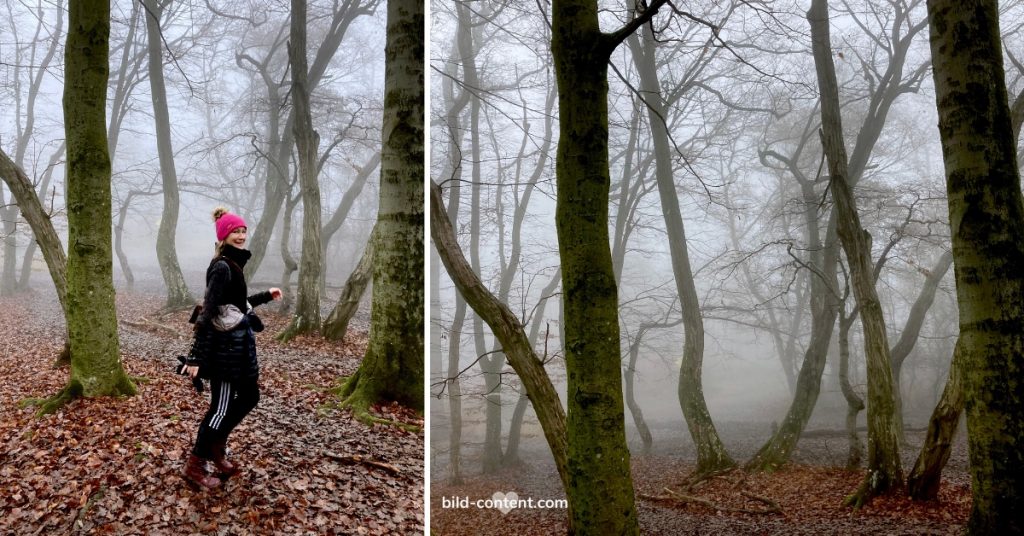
237 237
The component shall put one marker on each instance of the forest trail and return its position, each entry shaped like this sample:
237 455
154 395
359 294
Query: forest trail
109 466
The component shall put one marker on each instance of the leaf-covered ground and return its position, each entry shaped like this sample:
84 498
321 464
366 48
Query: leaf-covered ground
112 466
807 494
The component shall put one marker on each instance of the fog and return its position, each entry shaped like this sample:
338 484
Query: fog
742 116
226 72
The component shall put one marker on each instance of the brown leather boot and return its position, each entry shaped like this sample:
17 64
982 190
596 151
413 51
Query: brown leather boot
195 472
224 466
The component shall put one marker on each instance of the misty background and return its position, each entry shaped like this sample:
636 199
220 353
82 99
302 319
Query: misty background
741 110
225 66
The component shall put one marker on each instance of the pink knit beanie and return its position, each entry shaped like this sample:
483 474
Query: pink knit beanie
226 222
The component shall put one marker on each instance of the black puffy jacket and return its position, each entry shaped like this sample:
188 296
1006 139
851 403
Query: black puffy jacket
226 355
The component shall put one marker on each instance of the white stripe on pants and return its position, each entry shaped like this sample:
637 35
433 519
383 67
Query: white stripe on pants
222 405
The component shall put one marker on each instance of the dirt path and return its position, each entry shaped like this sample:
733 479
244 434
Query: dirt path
112 466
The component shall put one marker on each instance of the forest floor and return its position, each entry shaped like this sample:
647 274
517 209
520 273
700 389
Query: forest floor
807 493
112 465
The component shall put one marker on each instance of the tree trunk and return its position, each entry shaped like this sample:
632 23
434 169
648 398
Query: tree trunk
39 221
884 470
600 488
336 325
854 403
92 321
912 330
986 216
286 252
453 170
924 479
166 252
711 453
344 207
393 366
824 304
511 456
307 318
30 253
507 329
279 148
634 407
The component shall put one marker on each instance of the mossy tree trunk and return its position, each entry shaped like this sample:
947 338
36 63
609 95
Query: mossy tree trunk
986 216
393 366
92 320
884 470
924 479
307 317
166 252
600 488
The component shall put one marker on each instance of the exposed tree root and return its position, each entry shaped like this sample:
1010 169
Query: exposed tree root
350 397
55 402
298 326
873 485
680 498
357 459
698 478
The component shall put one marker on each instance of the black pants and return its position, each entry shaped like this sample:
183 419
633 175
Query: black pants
230 402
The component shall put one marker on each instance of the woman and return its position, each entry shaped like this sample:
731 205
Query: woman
226 357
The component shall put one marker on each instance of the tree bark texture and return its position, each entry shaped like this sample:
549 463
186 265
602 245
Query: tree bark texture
393 366
884 469
924 479
986 217
166 252
92 321
600 488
